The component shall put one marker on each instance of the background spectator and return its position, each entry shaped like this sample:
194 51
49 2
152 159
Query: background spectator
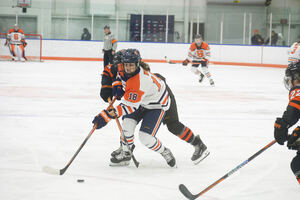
257 39
86 34
274 39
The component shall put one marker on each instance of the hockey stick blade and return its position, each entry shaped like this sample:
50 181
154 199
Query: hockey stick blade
50 170
186 192
136 163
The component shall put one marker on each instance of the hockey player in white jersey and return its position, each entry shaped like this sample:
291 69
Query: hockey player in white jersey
16 43
199 54
145 100
294 52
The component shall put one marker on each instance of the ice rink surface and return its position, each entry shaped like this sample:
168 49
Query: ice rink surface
46 111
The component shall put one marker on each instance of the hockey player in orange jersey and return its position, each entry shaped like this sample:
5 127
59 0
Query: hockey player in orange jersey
145 100
199 54
16 43
291 116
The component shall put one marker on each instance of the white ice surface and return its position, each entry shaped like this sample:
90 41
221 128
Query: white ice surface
46 111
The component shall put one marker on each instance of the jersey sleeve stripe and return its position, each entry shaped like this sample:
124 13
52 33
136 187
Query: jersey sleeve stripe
106 86
294 105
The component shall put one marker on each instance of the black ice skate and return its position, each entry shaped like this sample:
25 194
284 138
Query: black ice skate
168 156
117 152
201 78
200 153
122 159
212 83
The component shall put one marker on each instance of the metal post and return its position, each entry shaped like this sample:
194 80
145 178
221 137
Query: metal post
289 30
191 31
250 27
117 19
270 35
198 22
244 29
41 22
92 26
167 25
142 25
17 17
221 31
67 26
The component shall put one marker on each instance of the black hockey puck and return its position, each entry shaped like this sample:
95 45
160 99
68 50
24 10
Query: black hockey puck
80 180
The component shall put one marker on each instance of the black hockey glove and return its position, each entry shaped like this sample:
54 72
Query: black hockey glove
102 119
280 131
294 139
185 62
106 93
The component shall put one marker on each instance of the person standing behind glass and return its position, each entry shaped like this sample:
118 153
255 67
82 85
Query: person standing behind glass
86 34
109 46
256 38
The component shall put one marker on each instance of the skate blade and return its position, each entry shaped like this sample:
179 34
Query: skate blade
121 164
202 157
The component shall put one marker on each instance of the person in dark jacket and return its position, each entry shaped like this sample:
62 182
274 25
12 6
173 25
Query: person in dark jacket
256 38
274 39
86 34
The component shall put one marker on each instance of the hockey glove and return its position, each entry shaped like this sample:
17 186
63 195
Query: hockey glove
118 89
106 93
185 62
280 131
102 119
294 139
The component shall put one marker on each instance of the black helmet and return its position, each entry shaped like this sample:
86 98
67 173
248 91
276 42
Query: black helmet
292 73
106 27
118 57
198 36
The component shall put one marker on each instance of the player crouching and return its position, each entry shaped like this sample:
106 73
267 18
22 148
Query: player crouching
16 43
199 53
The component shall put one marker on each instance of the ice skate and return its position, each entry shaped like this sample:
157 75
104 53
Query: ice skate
212 83
200 153
201 78
122 159
168 156
117 151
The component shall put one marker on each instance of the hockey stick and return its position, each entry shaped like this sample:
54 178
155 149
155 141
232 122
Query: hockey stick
171 62
51 170
179 61
183 189
136 163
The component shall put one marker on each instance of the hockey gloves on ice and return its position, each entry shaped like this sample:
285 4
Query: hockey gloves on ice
294 139
102 119
118 89
280 131
185 62
106 93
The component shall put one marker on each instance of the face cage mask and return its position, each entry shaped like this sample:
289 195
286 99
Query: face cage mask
287 80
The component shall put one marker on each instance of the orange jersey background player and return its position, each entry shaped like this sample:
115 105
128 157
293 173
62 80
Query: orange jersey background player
199 53
16 43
